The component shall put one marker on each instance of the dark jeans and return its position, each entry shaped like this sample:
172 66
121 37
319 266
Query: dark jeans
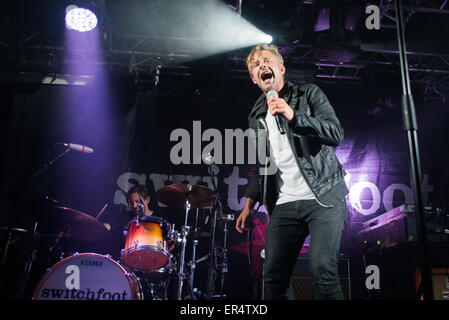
290 223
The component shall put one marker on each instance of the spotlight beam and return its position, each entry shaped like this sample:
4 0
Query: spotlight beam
214 26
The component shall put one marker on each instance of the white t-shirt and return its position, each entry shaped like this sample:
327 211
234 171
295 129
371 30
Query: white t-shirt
290 182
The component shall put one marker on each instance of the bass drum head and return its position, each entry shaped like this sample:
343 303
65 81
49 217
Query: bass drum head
88 276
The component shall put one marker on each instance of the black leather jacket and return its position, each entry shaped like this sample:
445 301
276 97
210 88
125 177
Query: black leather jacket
313 134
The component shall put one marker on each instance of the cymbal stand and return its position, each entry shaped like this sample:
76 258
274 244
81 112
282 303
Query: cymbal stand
211 277
9 240
212 257
222 254
185 232
192 269
192 262
28 263
224 265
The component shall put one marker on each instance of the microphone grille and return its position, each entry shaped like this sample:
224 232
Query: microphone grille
272 94
208 158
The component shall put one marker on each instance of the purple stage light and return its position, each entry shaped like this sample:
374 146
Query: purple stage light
80 19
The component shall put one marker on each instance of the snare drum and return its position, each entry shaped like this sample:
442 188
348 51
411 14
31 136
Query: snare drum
146 244
88 276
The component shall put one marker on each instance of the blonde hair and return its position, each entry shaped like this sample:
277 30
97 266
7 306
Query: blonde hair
258 49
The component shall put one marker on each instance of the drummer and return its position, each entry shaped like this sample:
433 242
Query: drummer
139 194
136 195
117 222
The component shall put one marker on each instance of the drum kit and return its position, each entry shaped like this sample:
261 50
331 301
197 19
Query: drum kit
146 261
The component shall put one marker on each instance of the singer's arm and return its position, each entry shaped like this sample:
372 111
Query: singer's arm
323 123
253 192
253 195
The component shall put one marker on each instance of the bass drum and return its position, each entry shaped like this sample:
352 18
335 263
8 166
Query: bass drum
88 276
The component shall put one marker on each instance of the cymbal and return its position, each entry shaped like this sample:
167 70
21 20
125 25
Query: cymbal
76 224
175 195
13 230
43 201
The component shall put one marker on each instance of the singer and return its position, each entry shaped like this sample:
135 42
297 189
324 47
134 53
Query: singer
307 193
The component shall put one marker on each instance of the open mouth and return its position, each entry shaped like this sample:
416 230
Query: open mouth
266 75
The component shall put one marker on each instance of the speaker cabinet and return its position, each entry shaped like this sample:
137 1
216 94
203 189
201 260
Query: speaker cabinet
302 284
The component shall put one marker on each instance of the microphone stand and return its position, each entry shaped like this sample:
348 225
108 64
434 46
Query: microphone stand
411 127
34 175
211 271
185 232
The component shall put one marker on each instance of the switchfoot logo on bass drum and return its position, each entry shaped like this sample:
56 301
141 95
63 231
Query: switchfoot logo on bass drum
74 294
88 276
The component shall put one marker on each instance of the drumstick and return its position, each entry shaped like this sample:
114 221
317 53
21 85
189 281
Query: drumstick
98 215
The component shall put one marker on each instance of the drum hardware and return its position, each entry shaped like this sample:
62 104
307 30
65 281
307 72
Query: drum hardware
188 196
181 274
213 170
58 238
10 240
204 258
212 263
185 196
14 190
153 289
197 234
192 265
224 266
30 256
174 235
141 209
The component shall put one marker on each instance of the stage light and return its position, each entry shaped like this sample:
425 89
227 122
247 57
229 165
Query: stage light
80 19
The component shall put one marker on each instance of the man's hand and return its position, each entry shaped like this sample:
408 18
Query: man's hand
243 219
278 105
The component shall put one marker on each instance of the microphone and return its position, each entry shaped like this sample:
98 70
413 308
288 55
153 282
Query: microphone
277 116
141 209
208 159
78 147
